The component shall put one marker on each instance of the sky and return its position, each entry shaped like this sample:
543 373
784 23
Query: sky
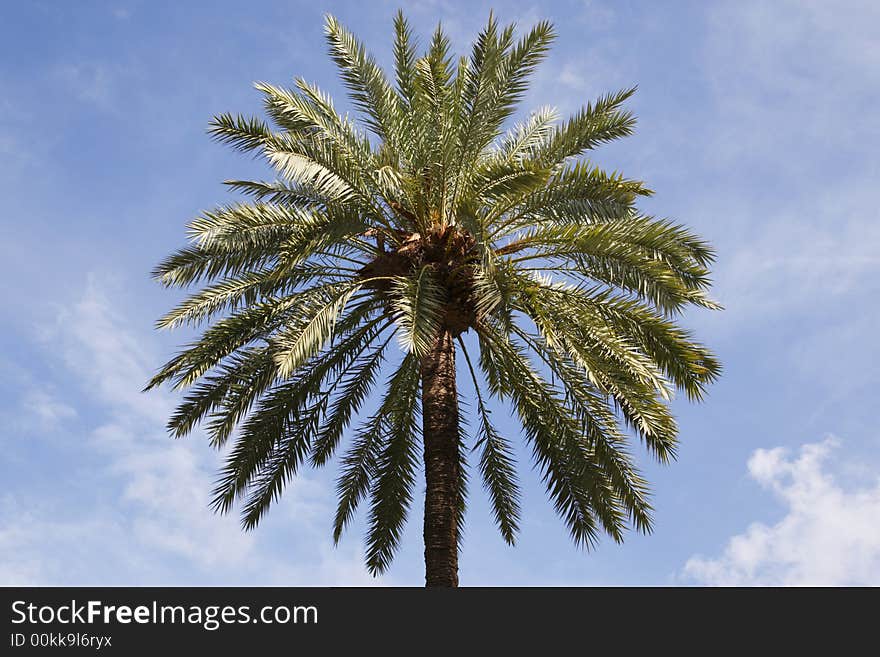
757 127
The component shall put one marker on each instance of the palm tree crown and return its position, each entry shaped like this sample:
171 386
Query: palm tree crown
422 223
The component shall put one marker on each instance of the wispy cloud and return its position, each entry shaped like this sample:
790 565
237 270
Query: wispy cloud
828 537
46 409
149 495
793 75
92 83
818 251
793 87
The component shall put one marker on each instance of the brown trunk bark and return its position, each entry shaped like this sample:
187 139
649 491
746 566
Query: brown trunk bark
440 435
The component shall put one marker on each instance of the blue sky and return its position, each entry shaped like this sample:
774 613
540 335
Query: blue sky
757 127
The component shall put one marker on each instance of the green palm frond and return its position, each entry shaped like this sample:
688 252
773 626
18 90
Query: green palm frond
601 121
354 391
316 319
419 304
524 137
361 464
496 466
395 471
366 82
405 57
289 411
280 192
567 445
233 386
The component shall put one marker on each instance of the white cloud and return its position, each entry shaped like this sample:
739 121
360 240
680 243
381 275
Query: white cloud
828 537
798 263
37 409
794 86
151 523
90 83
793 74
570 76
596 16
45 409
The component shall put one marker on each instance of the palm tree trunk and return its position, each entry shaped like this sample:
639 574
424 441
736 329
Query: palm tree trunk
442 463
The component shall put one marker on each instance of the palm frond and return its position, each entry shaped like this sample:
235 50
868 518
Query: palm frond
360 464
367 85
597 123
354 390
276 436
314 325
395 475
496 466
418 305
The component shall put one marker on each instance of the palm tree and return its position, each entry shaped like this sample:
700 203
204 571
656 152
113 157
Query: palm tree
429 225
